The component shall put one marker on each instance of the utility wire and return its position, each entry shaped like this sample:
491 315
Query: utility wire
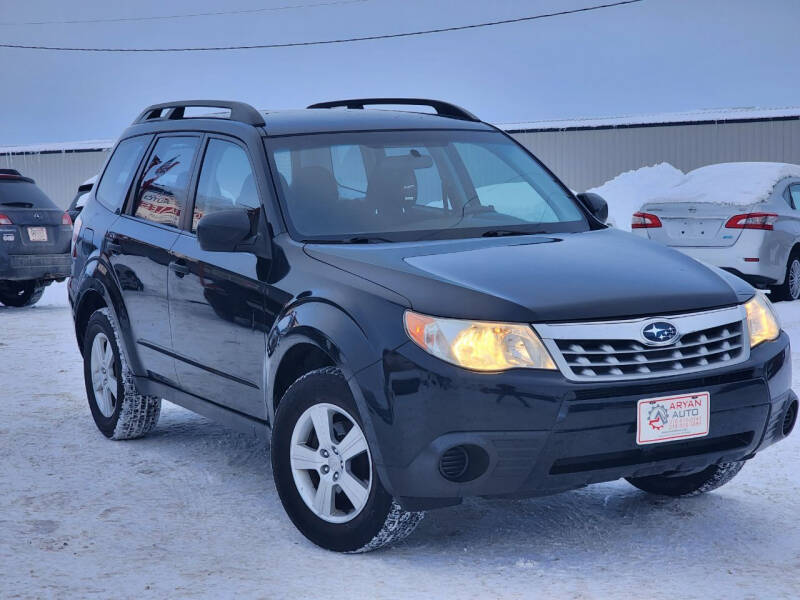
326 42
184 16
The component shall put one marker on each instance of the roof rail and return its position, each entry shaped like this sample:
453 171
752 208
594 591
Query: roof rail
240 111
443 109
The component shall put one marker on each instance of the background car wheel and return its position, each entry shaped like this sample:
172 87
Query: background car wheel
119 411
324 472
790 288
21 293
689 485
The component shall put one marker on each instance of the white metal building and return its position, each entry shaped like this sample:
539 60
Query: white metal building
585 153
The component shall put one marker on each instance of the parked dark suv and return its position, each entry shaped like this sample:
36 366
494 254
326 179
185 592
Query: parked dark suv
416 308
34 240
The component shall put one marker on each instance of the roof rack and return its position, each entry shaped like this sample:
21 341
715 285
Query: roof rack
443 109
240 111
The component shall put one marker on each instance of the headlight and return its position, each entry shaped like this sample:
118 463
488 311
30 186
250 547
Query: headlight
479 345
761 320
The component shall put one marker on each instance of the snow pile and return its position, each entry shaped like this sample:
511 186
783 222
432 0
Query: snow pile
628 191
739 183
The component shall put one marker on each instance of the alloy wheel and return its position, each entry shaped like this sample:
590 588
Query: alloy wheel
794 279
104 381
331 463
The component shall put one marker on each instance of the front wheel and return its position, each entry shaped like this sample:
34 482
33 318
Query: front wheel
324 470
689 485
21 293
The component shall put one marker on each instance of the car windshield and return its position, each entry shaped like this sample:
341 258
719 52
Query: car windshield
23 194
411 185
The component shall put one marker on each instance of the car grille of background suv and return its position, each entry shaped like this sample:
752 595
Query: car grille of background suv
616 350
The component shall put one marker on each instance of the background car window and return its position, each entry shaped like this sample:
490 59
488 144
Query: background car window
113 187
162 188
499 185
794 194
226 181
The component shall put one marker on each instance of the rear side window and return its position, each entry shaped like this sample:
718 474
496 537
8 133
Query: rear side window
161 192
20 193
113 187
794 195
226 181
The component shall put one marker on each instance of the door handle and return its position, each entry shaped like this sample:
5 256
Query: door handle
179 267
113 246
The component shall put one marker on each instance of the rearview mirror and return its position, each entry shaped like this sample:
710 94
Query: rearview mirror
224 230
595 204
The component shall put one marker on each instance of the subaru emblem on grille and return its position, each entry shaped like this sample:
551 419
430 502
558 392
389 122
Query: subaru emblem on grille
659 333
37 216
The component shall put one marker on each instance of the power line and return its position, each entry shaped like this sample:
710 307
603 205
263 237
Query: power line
326 42
248 11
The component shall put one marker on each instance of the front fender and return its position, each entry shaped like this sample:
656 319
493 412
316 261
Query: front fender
349 345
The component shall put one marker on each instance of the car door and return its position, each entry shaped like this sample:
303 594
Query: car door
138 244
216 298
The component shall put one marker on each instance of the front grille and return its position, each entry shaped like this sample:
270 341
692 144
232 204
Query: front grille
617 350
707 348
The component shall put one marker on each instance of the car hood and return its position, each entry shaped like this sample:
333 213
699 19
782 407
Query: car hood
592 275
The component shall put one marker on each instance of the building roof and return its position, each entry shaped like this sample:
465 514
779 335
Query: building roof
56 147
705 116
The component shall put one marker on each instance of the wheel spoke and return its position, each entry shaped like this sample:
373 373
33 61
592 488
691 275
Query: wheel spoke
112 384
106 395
108 357
353 444
321 418
305 459
323 499
353 489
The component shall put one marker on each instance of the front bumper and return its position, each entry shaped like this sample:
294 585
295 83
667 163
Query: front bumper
24 267
543 434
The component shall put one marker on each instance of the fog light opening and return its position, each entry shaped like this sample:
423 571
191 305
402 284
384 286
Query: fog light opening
789 418
463 463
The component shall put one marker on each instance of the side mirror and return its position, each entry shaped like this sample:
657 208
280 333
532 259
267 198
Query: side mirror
595 204
224 230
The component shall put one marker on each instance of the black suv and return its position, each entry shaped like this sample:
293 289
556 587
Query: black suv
34 240
416 309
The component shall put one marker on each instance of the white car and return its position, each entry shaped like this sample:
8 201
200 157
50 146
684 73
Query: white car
743 217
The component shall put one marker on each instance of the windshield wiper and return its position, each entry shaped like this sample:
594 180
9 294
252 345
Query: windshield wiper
505 232
18 204
352 240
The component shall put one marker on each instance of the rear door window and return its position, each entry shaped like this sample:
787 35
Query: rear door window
161 193
116 180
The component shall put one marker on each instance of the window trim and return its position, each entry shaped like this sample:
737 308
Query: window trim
131 200
792 203
121 209
186 219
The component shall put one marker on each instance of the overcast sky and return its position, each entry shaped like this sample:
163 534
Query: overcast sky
655 56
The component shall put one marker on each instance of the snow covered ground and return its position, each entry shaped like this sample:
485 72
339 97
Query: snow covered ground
191 512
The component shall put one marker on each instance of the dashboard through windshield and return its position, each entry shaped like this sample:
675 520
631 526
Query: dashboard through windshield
411 185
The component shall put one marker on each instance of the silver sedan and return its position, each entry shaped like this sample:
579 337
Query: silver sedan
742 217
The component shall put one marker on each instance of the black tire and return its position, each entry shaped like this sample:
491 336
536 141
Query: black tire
784 291
689 485
21 293
134 414
381 522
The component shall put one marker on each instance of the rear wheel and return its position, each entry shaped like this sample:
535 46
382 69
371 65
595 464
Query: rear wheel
21 293
790 288
119 410
689 485
324 470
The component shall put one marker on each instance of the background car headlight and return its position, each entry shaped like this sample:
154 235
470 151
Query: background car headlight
479 345
761 320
